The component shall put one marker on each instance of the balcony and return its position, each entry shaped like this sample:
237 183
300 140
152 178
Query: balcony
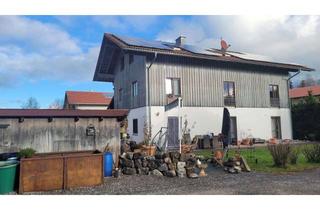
229 101
274 102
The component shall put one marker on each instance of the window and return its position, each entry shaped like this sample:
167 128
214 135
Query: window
134 88
131 58
276 127
173 86
274 95
120 94
229 93
135 126
122 63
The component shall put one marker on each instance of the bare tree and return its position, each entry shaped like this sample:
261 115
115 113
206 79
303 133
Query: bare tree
31 103
56 104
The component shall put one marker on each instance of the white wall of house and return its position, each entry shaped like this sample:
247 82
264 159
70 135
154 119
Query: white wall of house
91 107
251 122
140 114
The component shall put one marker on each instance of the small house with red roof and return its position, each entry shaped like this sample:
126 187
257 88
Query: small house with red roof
298 95
86 100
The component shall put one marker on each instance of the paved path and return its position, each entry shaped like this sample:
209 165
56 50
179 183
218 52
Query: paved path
217 182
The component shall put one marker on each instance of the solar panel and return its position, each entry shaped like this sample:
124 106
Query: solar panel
144 43
198 50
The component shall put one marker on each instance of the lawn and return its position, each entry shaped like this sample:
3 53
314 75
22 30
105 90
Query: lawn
260 160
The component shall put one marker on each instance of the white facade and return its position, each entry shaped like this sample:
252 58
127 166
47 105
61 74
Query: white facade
91 107
251 122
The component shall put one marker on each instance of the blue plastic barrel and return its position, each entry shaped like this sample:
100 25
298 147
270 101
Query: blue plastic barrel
108 164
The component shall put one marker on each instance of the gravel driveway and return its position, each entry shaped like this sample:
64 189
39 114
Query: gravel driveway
217 182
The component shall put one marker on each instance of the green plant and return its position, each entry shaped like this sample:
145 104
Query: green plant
312 153
185 134
26 153
293 155
280 154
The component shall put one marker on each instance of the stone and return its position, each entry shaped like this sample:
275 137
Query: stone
181 174
175 156
232 171
193 176
127 163
181 171
165 155
144 163
189 170
163 167
171 173
158 156
237 168
191 162
226 169
129 155
129 171
133 145
237 163
171 166
152 165
167 160
150 158
156 172
138 163
137 155
144 171
159 162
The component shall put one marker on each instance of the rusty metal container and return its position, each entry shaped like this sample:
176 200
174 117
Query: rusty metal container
64 170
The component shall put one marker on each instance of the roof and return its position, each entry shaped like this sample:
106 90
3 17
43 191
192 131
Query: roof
88 98
303 91
108 54
110 113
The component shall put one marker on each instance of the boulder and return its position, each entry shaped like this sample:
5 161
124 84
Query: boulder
129 171
171 166
193 176
152 165
156 172
158 155
126 163
129 155
144 163
237 168
137 155
138 163
171 173
159 162
167 160
163 167
181 170
165 155
144 171
175 156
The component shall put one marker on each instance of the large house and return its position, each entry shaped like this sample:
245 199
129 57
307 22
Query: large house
165 84
87 100
298 95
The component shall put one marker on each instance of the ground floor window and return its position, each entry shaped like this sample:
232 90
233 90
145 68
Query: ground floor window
135 126
276 127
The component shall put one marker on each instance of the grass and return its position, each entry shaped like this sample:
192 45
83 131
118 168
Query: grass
260 160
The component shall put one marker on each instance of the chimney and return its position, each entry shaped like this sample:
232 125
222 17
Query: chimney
180 41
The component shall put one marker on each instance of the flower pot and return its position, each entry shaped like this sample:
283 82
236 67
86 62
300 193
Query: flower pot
149 150
185 148
273 141
218 154
245 142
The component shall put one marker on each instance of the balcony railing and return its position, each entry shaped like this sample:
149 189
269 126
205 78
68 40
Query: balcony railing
274 102
229 101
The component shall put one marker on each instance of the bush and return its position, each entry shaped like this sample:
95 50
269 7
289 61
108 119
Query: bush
280 154
293 155
26 153
312 153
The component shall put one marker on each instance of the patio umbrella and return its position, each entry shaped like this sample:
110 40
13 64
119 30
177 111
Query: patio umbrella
226 127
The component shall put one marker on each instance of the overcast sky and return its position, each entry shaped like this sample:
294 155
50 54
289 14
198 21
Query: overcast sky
43 56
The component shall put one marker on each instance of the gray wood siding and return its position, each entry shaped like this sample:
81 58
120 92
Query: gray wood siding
124 79
202 83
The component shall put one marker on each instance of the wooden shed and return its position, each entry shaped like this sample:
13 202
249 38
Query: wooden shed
53 130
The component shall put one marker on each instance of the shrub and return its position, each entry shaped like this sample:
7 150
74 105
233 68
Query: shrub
293 155
312 153
26 153
280 154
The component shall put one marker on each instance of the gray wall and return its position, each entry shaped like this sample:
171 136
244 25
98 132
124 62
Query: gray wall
62 134
202 82
123 79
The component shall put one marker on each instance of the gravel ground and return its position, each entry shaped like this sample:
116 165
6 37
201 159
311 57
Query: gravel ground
217 182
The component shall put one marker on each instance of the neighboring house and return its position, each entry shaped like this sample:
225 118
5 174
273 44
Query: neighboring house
298 95
87 100
163 84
